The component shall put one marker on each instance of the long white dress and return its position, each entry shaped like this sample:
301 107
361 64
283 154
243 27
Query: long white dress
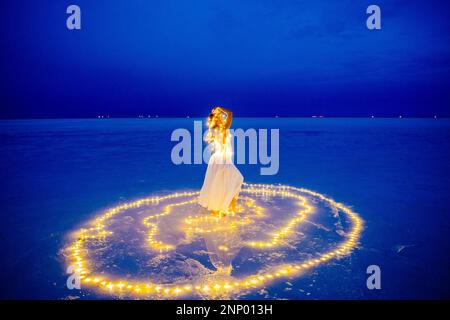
223 180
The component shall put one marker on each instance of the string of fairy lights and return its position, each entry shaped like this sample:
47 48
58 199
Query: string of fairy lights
248 211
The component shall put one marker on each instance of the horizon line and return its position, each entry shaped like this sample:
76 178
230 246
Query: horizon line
199 117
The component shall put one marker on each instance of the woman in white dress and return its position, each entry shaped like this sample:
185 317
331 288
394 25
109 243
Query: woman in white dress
223 180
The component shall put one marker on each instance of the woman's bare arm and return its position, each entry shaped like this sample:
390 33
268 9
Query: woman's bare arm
229 115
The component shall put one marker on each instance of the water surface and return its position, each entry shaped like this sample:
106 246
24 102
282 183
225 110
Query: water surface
395 173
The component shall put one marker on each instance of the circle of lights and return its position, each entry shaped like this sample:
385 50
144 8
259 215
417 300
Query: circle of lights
97 230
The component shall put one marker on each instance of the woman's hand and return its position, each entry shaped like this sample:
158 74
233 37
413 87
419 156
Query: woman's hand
227 113
216 111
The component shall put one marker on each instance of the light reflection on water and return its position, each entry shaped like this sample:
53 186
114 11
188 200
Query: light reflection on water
171 246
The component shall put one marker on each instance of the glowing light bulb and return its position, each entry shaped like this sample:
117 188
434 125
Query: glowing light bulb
282 236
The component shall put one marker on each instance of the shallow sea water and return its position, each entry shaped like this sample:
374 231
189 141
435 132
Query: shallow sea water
395 173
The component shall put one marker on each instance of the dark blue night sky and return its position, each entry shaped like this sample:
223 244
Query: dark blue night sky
257 57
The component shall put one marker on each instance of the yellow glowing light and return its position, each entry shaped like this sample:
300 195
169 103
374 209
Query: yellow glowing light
78 254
